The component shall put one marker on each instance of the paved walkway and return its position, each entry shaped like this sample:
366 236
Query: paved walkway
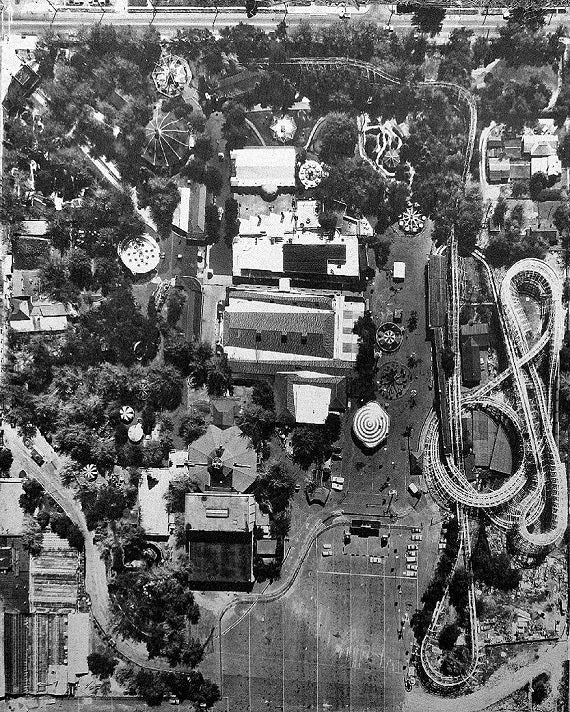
95 572
509 682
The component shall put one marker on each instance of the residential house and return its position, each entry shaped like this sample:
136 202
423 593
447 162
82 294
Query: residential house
498 170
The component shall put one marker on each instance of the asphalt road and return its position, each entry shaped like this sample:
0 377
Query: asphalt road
167 23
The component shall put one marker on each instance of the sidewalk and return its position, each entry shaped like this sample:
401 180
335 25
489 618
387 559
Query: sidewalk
25 8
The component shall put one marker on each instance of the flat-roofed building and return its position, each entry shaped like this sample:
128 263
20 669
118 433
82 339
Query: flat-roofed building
219 539
266 168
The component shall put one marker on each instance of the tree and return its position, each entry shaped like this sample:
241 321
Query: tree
274 90
364 382
56 283
309 445
354 182
337 137
500 211
62 525
328 221
175 305
203 149
32 495
111 330
540 688
257 423
246 41
231 219
6 459
212 224
275 487
102 664
235 129
538 182
564 151
448 636
262 394
213 179
32 536
79 268
219 381
429 20
162 197
192 426
468 221
178 488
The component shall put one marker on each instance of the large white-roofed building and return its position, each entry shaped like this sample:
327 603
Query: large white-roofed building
267 168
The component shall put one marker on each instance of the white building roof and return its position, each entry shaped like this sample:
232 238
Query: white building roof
153 486
311 403
77 644
265 251
399 271
531 140
11 514
269 167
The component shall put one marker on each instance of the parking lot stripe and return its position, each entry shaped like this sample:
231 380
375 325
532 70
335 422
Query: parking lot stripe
383 575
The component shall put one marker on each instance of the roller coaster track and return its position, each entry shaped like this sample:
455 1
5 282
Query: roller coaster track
539 480
375 73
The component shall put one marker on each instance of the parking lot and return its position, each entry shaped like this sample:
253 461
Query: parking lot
339 639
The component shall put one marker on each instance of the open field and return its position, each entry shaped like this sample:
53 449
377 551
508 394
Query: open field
332 642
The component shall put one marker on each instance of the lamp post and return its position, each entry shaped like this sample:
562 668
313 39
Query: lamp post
215 16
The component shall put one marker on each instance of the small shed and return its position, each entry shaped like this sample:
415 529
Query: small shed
399 271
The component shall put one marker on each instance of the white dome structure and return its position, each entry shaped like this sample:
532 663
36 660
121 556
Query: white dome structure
371 424
140 256
135 432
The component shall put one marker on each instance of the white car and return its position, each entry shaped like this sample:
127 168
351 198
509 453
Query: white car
327 552
412 547
416 537
412 567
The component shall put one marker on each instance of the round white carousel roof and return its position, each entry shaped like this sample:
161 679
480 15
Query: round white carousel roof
311 174
371 424
140 256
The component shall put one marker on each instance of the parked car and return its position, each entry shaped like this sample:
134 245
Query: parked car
36 457
416 537
327 552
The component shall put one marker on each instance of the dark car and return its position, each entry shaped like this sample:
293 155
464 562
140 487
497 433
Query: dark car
36 457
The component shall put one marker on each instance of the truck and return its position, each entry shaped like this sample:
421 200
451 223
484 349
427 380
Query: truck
413 490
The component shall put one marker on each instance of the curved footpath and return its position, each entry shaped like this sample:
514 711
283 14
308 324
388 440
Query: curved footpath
549 661
95 572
